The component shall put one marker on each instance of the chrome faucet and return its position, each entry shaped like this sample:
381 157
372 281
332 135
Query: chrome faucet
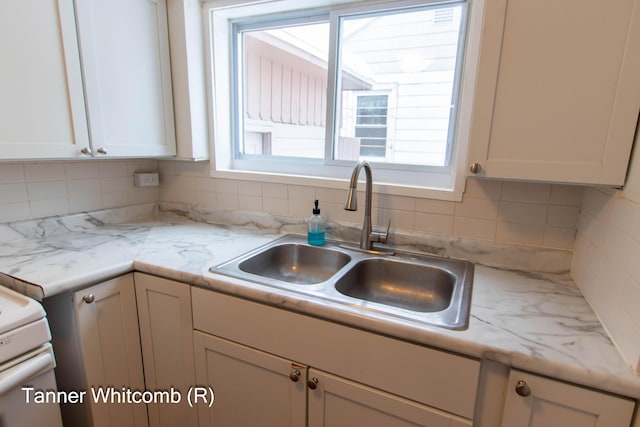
368 236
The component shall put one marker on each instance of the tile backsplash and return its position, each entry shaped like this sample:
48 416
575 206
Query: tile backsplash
524 213
605 263
606 267
38 189
532 214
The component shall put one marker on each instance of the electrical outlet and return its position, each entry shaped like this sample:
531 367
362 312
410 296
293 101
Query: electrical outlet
146 179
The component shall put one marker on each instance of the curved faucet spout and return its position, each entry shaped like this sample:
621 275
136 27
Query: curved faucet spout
351 204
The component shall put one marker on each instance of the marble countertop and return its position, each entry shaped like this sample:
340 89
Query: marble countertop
535 321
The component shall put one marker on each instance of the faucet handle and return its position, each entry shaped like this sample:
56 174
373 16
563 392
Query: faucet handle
381 236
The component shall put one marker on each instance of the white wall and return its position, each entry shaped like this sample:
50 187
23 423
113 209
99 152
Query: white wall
533 214
37 189
606 264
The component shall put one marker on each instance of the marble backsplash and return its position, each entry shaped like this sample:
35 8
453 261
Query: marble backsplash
535 214
494 254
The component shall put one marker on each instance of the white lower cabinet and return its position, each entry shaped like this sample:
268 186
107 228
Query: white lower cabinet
536 401
338 402
97 348
265 365
272 367
254 388
166 335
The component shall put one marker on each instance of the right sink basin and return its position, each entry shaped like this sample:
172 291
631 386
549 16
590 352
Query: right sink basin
401 284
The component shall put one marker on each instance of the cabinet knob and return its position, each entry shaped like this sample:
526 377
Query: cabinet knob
522 388
313 383
101 150
475 168
86 151
89 298
295 375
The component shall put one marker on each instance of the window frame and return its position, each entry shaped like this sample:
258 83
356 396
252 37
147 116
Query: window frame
445 183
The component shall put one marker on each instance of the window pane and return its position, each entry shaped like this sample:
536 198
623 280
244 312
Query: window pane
396 83
283 92
371 151
364 132
372 120
373 101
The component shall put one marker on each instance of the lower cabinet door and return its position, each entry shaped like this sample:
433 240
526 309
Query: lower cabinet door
251 388
337 402
166 335
542 402
107 322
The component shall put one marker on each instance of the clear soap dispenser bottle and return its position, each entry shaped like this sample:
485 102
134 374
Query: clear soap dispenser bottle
315 234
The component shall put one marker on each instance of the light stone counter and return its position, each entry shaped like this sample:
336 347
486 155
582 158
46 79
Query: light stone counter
532 321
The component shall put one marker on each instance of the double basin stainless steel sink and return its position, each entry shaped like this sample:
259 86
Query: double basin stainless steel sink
427 289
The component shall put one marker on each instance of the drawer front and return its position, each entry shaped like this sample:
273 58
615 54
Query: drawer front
432 377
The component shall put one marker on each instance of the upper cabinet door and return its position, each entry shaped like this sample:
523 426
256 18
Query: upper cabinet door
125 60
42 113
558 90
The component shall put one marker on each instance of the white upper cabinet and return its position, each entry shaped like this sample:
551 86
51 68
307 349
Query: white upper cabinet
42 113
558 91
125 59
188 77
85 78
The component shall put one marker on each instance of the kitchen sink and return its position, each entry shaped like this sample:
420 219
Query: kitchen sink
295 263
399 284
421 288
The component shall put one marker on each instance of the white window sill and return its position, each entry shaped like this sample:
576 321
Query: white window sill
339 183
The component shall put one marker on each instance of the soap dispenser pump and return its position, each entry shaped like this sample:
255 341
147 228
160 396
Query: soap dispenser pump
315 234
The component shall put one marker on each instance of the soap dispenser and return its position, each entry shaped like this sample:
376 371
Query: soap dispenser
315 234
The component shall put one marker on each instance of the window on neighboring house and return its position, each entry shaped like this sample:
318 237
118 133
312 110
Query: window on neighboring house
371 126
311 92
444 16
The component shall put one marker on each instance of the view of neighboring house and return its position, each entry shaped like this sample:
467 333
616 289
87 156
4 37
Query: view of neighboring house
396 90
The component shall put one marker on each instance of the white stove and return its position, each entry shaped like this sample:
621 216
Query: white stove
26 361
23 325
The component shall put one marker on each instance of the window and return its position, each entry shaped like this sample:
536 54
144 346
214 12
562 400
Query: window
444 16
370 130
309 93
282 85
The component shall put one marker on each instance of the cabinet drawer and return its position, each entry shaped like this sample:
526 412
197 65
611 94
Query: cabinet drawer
436 378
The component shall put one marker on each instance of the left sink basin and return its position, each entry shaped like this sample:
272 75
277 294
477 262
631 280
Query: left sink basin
295 263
